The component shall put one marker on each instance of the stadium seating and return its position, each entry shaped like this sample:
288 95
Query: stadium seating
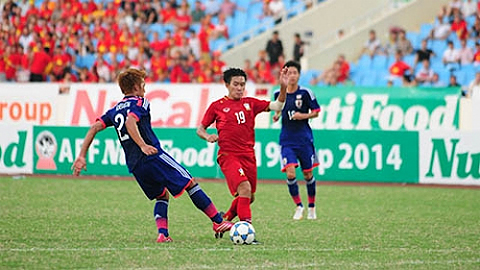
368 71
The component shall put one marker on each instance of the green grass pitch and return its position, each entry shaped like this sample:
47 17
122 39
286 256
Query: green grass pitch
97 224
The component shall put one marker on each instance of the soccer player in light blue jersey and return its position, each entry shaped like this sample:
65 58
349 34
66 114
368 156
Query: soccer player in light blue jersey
296 139
157 173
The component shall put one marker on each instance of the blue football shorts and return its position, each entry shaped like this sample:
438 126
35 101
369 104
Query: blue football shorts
158 173
305 154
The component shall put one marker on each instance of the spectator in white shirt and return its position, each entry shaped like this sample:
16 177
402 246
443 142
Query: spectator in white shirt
473 90
469 8
450 56
277 10
372 45
425 74
212 7
436 81
441 28
465 53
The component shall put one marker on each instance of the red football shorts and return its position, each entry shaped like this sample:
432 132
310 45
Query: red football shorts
238 168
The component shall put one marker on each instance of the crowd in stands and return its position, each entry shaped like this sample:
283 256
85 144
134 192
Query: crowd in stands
92 40
445 53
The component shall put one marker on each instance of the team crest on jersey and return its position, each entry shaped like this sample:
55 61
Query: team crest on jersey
298 101
226 110
247 106
241 172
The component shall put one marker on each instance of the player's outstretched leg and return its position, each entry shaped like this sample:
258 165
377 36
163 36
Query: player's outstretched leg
203 202
293 190
160 212
311 191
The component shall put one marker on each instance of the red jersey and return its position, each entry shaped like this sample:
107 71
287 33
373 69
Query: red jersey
235 122
399 68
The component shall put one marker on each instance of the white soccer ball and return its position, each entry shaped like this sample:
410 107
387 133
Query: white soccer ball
241 233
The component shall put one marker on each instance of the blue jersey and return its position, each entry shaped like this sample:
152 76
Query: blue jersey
139 108
297 132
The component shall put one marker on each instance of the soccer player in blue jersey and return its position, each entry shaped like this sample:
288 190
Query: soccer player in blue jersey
296 139
157 173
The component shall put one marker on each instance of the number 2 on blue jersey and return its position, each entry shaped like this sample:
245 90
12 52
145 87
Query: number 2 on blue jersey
120 120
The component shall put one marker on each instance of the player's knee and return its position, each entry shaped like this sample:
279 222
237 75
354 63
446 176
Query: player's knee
308 175
191 185
164 196
244 189
290 175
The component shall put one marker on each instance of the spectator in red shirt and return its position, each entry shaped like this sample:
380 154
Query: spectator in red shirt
60 64
205 74
217 65
12 62
183 19
249 70
87 76
111 11
181 72
158 66
459 26
344 71
40 63
168 13
400 70
476 56
264 73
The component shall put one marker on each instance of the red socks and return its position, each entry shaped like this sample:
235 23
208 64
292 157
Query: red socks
243 209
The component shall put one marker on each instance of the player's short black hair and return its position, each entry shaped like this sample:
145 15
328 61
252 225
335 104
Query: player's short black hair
233 72
295 64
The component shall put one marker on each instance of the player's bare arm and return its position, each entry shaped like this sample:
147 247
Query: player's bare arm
202 133
277 116
278 104
132 130
303 116
80 163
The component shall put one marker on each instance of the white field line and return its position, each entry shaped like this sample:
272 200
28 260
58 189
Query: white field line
254 249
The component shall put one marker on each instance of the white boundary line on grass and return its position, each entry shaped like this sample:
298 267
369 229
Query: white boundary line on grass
272 265
258 249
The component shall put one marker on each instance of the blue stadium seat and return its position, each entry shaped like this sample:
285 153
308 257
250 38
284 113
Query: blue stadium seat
379 62
438 46
414 39
470 20
88 60
79 61
196 27
307 76
357 78
409 59
369 79
461 77
255 10
365 62
444 76
425 29
265 24
382 78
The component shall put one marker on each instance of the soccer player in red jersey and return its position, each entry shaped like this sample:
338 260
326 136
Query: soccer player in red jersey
234 116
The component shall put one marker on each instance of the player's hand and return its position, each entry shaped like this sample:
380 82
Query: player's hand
149 150
276 117
284 77
297 116
78 165
212 138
